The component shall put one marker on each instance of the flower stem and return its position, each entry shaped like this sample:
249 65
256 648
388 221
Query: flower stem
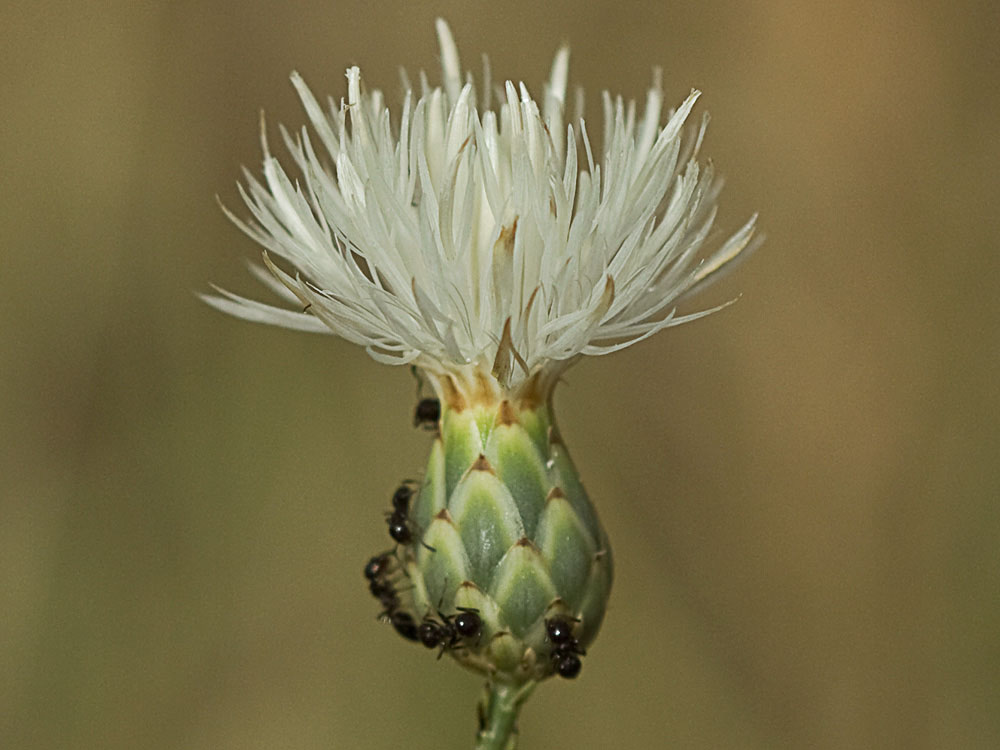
498 715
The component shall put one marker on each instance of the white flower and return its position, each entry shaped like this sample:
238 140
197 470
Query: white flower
465 236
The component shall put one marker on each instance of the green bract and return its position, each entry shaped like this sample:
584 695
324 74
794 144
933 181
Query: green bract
503 525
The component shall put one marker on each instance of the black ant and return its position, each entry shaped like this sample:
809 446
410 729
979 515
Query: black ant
428 410
427 413
399 519
566 651
377 570
434 634
402 496
450 630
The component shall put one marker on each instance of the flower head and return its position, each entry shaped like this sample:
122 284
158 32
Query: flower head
476 232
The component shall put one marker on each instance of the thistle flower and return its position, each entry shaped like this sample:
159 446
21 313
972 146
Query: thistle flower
475 235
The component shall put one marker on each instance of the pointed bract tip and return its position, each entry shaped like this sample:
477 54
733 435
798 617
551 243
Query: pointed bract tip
482 464
555 493
506 414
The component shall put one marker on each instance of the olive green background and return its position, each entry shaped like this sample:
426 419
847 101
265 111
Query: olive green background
802 490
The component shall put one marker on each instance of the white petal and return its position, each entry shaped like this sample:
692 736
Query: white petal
446 235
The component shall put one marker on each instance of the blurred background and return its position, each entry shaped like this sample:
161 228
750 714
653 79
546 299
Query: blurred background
802 490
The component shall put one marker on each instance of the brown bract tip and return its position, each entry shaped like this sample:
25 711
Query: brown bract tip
534 392
452 394
506 414
483 390
555 493
525 542
443 515
482 464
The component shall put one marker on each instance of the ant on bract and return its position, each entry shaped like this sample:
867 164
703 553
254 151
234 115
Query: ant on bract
450 630
566 651
400 526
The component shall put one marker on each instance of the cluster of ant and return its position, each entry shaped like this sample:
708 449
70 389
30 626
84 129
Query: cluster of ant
444 631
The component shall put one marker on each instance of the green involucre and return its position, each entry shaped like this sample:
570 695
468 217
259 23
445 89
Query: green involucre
503 525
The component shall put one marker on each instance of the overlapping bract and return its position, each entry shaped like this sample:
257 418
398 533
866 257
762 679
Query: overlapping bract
506 529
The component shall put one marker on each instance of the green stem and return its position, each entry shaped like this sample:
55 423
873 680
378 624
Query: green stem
498 715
